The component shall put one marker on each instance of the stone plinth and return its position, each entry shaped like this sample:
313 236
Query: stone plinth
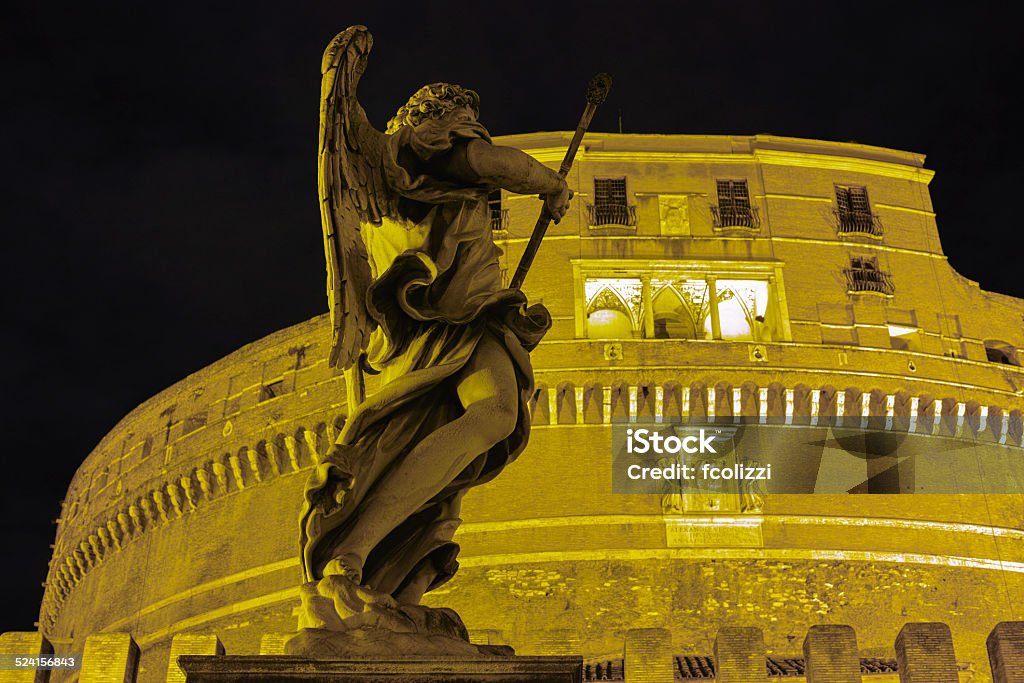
109 658
190 644
267 668
1006 652
648 655
740 655
25 644
925 654
830 654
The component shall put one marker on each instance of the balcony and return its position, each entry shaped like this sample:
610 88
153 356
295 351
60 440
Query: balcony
499 220
857 222
611 215
868 280
735 217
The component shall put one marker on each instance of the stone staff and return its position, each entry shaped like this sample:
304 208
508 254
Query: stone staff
597 91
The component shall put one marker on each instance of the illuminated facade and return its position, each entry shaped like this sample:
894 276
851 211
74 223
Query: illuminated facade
694 275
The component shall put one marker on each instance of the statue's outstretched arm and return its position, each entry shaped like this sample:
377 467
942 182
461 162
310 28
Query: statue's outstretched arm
476 161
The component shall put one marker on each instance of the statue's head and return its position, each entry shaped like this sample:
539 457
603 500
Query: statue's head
434 101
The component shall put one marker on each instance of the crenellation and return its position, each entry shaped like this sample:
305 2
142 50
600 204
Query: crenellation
539 407
698 401
618 406
723 400
124 526
114 533
803 398
188 489
203 477
949 412
251 458
565 400
236 471
593 403
1015 428
174 496
312 445
293 447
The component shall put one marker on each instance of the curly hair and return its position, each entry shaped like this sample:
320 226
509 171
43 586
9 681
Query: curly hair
433 102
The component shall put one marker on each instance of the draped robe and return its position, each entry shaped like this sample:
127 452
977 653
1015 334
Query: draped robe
436 291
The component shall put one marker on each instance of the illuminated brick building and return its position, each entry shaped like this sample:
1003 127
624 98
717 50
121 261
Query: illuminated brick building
701 275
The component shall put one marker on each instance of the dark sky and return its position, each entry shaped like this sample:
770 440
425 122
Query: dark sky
159 199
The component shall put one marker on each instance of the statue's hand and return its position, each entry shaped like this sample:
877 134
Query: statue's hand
557 203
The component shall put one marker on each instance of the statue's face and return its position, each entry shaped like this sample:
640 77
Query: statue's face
461 114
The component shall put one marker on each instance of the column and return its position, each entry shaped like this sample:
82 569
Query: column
648 306
716 323
771 330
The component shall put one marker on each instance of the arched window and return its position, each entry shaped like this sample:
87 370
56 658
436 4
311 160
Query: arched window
732 316
672 317
742 309
608 317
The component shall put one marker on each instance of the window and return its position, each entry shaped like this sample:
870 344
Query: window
904 338
734 210
610 206
612 307
499 215
742 309
853 211
1000 352
682 306
863 275
272 390
193 422
677 310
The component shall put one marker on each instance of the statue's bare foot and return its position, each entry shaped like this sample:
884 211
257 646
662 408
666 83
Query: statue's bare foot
341 583
348 565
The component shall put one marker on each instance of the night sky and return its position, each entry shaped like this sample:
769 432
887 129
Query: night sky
159 193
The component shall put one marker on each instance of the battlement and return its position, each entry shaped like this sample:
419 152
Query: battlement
922 652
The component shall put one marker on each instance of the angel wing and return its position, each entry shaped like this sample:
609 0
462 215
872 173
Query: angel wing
352 191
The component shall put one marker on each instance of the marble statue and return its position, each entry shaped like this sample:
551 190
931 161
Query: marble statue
417 296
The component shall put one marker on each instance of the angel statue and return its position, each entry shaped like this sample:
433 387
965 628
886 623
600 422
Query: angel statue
416 297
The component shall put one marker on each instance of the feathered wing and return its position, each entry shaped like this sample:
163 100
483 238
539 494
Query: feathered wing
352 191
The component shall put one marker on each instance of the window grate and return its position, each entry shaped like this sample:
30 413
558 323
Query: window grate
863 275
853 211
609 191
610 206
498 214
734 209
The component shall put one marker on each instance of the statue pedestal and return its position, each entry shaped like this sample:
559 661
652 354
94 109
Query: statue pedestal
267 668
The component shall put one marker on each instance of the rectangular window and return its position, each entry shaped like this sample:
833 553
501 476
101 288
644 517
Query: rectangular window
273 390
904 338
853 211
610 206
193 422
610 191
734 209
